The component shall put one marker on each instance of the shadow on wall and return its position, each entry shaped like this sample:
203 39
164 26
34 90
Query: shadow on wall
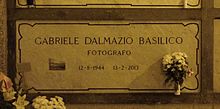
152 78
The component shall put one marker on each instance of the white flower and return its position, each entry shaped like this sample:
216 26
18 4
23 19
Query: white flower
180 61
173 69
165 69
168 66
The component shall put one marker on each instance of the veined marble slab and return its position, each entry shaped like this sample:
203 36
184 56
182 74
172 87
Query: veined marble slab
112 57
111 3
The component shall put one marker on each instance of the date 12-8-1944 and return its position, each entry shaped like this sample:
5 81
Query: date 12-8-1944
113 67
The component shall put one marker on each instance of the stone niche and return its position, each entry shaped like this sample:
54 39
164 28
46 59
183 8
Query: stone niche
105 56
110 3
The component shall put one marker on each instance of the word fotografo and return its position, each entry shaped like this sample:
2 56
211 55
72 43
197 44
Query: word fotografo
108 41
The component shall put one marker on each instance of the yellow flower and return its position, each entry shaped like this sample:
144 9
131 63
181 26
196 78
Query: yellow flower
21 102
184 55
41 102
179 66
178 57
9 94
177 53
59 98
167 59
180 54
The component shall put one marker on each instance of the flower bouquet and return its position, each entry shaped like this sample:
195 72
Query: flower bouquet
41 102
9 98
176 68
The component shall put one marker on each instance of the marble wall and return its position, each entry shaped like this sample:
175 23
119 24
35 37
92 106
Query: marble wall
3 36
216 56
3 67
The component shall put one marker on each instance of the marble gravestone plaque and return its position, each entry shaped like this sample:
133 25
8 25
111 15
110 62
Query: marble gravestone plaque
110 3
105 56
216 3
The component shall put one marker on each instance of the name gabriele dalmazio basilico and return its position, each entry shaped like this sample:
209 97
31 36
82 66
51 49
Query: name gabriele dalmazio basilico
58 40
